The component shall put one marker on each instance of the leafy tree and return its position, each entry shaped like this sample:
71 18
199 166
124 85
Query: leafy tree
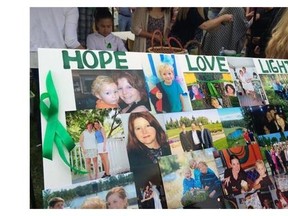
169 164
46 196
77 120
115 124
202 119
274 140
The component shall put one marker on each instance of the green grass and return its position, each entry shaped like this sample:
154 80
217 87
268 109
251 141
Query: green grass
221 143
218 144
234 142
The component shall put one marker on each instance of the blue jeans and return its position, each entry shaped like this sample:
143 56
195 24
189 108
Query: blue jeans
124 23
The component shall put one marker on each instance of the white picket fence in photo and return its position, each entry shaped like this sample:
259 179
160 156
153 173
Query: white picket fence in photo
117 155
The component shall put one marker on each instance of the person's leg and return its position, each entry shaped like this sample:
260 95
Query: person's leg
128 24
88 167
105 161
95 165
121 23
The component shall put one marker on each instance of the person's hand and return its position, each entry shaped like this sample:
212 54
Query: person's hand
158 38
227 18
227 181
206 187
250 15
159 95
211 195
257 50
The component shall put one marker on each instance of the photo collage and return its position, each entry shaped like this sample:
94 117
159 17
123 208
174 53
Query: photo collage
161 136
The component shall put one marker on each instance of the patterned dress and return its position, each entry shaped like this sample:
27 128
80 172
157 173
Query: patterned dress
154 24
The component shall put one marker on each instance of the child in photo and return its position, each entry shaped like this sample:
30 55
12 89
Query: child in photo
103 39
116 198
263 181
56 203
167 95
106 90
188 181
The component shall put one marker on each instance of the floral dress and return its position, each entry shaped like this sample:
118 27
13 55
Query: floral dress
154 24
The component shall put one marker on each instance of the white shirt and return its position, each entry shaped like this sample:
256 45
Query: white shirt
286 153
53 27
96 41
202 135
195 138
89 141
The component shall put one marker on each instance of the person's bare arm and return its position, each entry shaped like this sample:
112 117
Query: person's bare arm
105 138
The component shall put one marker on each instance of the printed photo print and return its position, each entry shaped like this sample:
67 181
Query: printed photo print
167 88
191 180
246 178
276 88
267 119
211 90
238 131
195 130
103 89
146 139
247 83
149 187
116 192
275 148
100 145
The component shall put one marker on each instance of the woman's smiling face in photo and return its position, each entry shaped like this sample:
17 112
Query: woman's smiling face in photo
128 93
144 132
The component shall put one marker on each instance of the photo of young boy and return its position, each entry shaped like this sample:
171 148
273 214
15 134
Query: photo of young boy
168 92
106 90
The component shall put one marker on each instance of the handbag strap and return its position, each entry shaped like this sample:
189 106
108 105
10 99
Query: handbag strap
156 32
177 41
195 42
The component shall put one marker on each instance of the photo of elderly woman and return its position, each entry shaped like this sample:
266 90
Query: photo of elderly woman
191 180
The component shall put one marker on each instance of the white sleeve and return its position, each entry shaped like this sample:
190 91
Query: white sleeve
121 45
71 24
90 43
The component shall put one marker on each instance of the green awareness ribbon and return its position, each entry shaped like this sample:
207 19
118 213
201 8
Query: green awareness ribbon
212 90
54 129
